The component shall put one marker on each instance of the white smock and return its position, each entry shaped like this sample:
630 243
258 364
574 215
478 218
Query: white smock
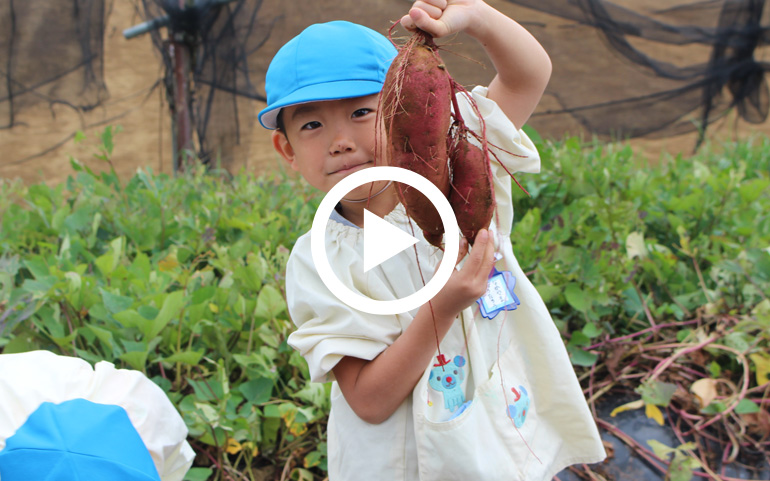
464 419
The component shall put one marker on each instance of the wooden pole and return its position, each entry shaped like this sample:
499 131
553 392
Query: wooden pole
181 118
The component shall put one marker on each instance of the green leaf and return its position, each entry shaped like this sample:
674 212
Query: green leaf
270 303
547 291
750 190
715 407
746 406
198 474
591 330
130 318
661 450
682 466
576 297
135 359
106 263
579 339
203 294
656 392
187 357
103 335
580 357
172 306
739 341
114 302
257 391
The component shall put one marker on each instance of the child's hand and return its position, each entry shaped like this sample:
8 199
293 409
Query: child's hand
470 282
442 17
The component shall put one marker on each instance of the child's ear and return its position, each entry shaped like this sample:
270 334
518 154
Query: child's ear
283 147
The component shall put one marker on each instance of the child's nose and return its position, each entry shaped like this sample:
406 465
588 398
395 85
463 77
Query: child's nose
342 143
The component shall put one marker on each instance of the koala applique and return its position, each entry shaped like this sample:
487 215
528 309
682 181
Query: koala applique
447 377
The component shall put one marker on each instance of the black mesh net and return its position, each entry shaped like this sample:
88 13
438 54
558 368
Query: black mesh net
622 69
50 52
651 68
226 39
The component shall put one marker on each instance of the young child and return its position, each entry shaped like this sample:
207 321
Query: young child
498 398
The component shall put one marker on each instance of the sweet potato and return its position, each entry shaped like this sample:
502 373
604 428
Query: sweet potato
472 194
426 136
417 113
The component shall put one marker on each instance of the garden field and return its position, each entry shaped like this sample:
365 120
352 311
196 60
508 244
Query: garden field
657 277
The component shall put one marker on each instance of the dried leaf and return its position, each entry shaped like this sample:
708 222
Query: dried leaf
758 423
761 361
627 407
653 412
613 359
233 446
635 246
705 390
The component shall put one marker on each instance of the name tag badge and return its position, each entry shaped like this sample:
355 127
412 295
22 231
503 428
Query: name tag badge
499 295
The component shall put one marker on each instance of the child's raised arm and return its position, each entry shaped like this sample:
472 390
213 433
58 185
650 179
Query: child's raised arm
523 67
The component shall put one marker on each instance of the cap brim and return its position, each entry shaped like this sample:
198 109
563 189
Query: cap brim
317 93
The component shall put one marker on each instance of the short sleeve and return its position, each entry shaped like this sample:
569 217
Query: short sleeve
327 328
513 150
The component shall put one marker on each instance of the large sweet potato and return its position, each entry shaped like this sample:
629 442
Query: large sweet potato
472 194
417 113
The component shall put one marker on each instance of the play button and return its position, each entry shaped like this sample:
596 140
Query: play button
382 240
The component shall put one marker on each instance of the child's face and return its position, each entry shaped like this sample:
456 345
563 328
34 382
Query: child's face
326 141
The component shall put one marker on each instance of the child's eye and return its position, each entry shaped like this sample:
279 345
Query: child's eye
362 112
311 125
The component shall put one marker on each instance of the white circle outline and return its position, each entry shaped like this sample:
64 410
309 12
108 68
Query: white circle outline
318 240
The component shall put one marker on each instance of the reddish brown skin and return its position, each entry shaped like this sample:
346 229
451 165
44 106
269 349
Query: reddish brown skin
417 107
472 195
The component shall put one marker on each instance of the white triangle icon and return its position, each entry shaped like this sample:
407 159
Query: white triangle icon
382 240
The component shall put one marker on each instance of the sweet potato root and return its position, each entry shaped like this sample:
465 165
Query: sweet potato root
472 194
426 136
417 113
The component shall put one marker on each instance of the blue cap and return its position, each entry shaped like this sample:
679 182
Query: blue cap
327 61
77 440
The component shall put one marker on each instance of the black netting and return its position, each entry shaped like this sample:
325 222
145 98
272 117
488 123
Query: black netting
646 70
627 68
226 39
621 70
50 52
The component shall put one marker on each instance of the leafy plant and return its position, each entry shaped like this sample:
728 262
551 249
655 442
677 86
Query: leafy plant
657 277
180 278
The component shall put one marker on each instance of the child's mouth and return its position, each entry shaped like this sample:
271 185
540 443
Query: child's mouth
348 169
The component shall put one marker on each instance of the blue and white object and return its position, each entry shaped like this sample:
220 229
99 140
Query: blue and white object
61 420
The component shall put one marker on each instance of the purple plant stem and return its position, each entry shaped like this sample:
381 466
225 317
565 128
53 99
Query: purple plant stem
643 331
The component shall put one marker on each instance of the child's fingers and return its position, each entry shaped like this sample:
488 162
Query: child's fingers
422 20
463 250
407 23
478 262
433 8
489 256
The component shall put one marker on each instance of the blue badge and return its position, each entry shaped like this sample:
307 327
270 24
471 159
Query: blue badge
499 295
